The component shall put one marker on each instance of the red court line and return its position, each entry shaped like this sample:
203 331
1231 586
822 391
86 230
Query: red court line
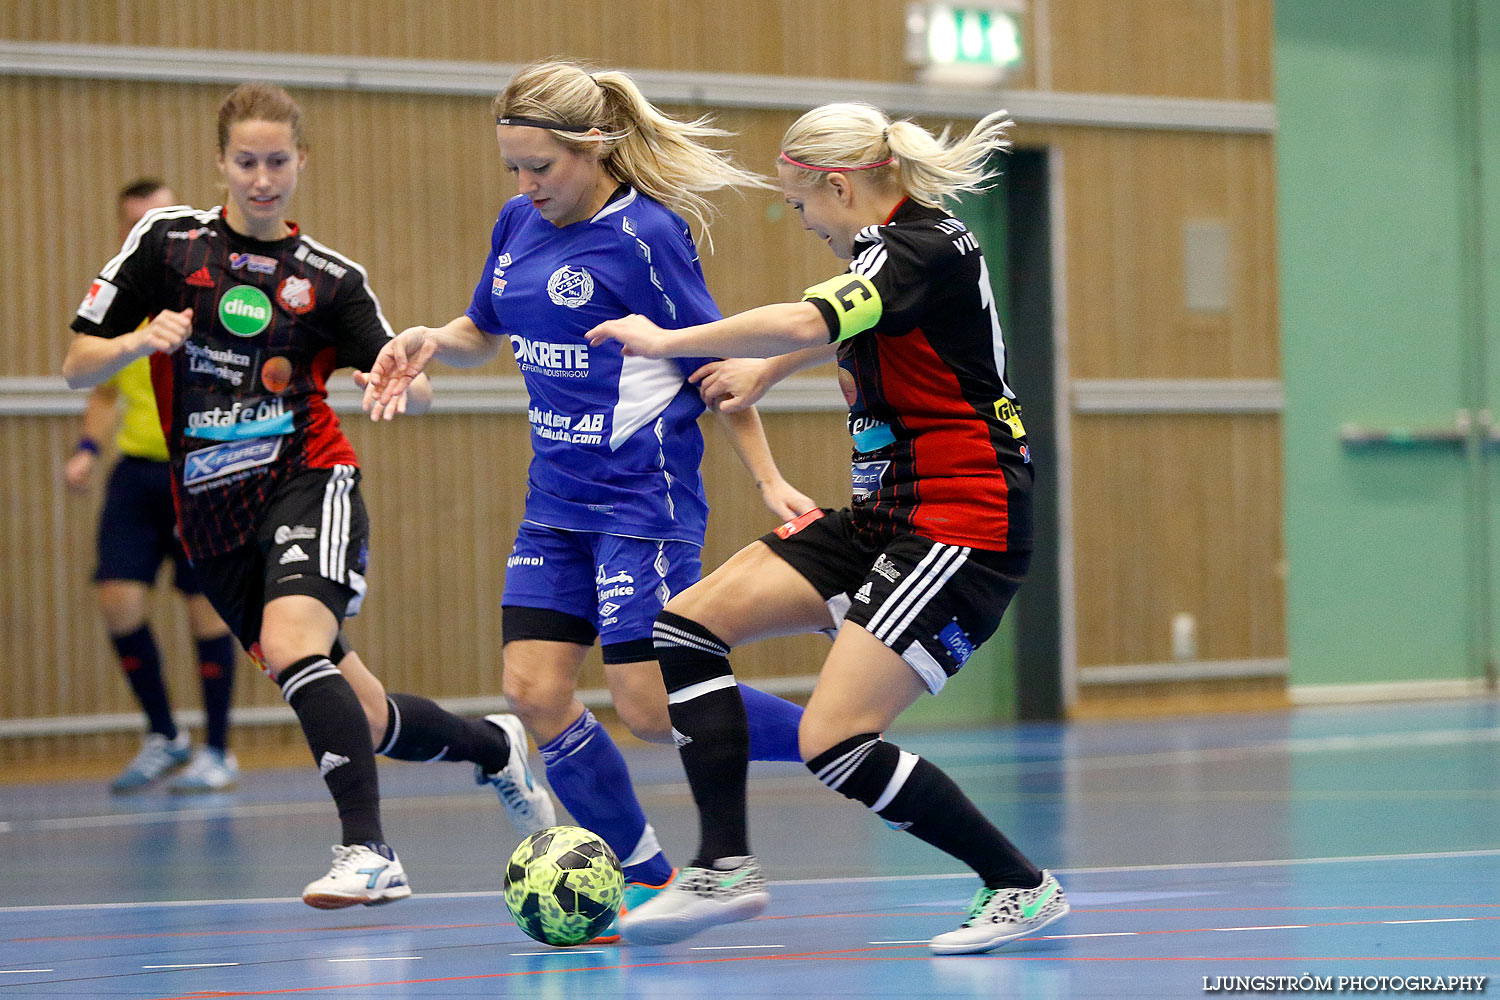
883 954
282 930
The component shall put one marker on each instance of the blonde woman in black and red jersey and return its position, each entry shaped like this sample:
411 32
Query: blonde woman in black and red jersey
249 318
916 572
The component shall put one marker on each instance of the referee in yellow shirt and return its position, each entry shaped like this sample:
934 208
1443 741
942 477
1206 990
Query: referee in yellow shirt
137 530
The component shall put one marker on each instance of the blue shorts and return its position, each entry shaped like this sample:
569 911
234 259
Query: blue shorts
616 584
138 526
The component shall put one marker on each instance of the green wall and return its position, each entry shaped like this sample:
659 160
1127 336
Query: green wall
1382 307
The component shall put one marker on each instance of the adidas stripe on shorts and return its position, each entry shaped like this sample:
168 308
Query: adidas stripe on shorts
931 602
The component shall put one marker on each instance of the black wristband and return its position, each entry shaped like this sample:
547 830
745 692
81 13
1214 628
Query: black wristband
87 444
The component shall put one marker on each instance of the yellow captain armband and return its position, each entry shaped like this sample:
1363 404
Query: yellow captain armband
854 299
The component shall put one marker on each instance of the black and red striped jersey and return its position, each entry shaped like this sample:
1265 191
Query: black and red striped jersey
939 448
243 403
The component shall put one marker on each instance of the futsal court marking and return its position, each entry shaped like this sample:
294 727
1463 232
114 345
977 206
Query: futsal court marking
877 950
771 783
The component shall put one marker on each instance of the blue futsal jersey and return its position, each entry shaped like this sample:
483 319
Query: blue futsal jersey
615 440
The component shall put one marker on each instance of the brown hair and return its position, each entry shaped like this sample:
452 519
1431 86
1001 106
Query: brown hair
142 187
259 102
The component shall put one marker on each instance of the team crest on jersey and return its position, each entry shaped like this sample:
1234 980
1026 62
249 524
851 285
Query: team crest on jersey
570 286
296 294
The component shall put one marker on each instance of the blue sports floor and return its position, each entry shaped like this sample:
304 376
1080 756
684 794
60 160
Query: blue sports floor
1346 843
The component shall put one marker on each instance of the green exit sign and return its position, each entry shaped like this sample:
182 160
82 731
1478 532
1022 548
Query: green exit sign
981 38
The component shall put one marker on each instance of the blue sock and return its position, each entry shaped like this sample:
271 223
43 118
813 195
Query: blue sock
773 725
589 778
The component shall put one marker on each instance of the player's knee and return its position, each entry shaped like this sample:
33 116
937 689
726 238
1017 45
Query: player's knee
645 722
536 698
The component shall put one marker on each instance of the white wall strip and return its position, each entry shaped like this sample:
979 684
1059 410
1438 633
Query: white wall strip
1344 694
49 395
427 76
274 715
1191 670
1200 395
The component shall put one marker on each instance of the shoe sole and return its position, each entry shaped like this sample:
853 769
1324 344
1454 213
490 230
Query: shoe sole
667 930
329 901
995 942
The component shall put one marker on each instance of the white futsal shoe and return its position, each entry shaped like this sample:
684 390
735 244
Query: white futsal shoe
697 899
1000 915
526 803
366 874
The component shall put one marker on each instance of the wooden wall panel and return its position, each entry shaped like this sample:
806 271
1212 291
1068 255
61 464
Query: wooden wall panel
1166 48
1127 196
1178 48
1177 513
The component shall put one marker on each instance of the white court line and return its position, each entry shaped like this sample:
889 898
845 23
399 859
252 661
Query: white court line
1268 927
733 947
923 941
492 894
195 965
17 972
1069 937
383 958
1433 920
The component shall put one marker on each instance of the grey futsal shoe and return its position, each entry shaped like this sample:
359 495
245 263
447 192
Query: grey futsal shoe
697 899
158 756
1000 915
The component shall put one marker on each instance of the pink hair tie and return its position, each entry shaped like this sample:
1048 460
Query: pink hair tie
838 170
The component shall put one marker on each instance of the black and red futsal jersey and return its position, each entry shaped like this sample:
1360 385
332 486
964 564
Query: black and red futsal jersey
939 449
244 403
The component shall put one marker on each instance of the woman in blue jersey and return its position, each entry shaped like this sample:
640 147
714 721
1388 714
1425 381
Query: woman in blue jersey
918 569
615 511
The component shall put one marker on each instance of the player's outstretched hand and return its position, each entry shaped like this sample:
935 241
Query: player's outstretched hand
166 331
638 336
733 384
785 500
400 360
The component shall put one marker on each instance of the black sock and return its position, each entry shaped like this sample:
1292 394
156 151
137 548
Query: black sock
712 732
141 661
339 737
914 795
216 663
418 729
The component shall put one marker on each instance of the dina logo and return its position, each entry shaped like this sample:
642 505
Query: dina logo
245 311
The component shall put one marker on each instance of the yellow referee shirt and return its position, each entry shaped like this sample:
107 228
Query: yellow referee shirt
140 430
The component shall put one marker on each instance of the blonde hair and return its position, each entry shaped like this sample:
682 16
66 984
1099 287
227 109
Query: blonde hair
653 152
259 102
929 168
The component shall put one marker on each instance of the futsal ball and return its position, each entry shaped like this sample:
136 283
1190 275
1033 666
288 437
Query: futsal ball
563 885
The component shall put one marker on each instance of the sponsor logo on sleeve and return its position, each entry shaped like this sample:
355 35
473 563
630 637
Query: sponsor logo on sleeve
96 303
1009 414
245 311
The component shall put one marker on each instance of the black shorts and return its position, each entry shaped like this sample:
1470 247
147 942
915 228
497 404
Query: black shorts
932 603
313 540
138 526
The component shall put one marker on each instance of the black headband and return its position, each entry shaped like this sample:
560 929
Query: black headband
540 123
